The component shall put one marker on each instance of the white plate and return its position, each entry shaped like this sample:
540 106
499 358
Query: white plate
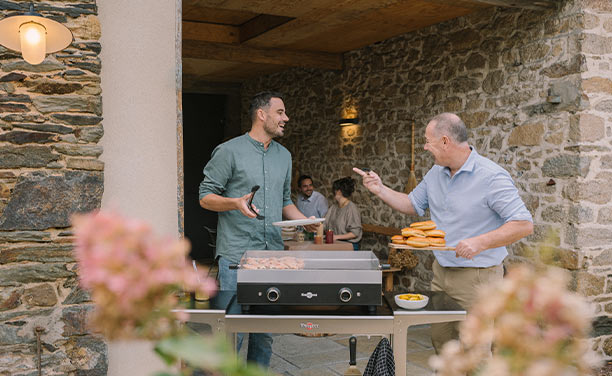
299 222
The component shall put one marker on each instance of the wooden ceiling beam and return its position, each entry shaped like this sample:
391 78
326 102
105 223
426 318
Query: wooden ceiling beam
211 32
527 4
197 49
260 25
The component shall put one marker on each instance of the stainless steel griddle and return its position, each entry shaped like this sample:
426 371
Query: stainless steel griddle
309 278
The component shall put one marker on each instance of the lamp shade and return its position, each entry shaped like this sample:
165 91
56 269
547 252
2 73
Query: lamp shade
56 36
33 42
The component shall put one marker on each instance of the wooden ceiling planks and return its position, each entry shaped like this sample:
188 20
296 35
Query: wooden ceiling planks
246 36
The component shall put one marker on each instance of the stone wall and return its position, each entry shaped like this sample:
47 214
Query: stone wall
50 124
534 89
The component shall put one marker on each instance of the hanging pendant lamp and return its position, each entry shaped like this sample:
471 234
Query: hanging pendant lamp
33 35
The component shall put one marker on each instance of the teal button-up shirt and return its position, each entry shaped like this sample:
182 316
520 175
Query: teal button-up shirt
235 167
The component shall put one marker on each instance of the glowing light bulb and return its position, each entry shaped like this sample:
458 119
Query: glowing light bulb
33 40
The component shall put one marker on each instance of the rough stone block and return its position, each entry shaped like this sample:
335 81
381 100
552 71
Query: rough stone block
30 273
10 298
597 85
526 135
68 103
603 6
79 150
554 213
50 64
26 156
21 137
587 284
85 164
40 201
602 326
566 165
604 258
45 127
75 320
86 27
12 77
586 127
605 106
598 192
576 64
605 216
580 214
591 21
474 119
593 237
596 44
41 295
493 82
534 52
13 107
90 134
89 353
38 253
24 236
53 87
556 256
607 346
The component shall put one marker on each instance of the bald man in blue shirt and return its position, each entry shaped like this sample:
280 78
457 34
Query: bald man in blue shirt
474 201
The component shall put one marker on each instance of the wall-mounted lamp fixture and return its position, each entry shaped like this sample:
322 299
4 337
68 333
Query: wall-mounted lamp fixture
344 122
33 35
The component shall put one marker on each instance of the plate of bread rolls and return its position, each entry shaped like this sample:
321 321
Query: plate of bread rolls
421 235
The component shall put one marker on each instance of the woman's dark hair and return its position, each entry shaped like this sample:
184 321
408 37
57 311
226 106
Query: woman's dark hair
345 185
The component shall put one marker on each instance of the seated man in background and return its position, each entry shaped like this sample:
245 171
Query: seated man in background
310 202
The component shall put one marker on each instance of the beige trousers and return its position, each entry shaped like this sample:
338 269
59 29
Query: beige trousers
462 285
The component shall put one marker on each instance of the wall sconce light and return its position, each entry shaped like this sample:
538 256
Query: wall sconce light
344 122
33 35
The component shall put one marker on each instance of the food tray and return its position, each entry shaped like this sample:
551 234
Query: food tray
403 246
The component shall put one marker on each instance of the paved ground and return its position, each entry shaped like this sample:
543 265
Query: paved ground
322 356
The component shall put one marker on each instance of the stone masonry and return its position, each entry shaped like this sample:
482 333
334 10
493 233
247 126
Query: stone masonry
50 124
535 90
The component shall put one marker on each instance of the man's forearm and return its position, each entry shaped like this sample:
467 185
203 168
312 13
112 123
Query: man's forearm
506 234
218 203
292 212
397 200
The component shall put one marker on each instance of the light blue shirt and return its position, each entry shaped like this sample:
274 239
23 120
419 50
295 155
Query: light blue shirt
479 198
234 168
315 205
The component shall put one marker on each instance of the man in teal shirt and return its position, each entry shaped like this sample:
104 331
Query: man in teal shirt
235 167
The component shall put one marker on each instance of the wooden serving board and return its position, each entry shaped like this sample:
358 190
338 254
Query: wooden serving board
403 246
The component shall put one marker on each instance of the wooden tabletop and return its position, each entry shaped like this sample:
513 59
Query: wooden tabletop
292 245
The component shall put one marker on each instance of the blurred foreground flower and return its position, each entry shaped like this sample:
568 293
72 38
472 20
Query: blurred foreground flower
133 276
537 326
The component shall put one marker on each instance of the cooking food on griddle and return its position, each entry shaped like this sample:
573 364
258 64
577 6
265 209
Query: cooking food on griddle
273 263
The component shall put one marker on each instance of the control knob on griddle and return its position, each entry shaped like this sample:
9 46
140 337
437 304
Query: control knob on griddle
345 294
273 294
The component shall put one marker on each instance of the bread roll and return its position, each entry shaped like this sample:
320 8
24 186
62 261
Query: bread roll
408 232
417 242
436 242
397 239
435 233
425 225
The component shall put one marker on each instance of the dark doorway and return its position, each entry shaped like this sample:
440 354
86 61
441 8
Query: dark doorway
204 118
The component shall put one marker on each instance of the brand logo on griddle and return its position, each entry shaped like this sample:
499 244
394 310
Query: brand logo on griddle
309 326
308 294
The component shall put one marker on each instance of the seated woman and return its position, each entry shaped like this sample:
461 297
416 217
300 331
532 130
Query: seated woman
343 216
